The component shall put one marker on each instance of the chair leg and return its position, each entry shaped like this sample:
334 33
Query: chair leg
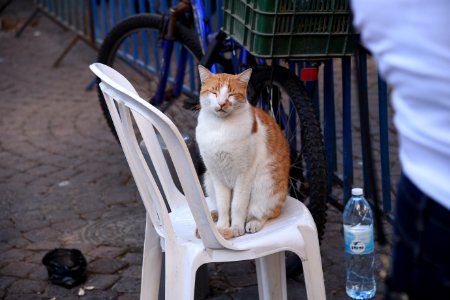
312 265
180 274
271 273
151 264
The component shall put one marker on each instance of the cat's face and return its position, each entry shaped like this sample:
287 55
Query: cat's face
222 94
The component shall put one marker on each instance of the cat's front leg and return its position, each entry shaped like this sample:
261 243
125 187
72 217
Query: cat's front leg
239 205
223 200
208 185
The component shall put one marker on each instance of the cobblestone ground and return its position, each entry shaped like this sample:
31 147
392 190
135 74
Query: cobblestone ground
64 181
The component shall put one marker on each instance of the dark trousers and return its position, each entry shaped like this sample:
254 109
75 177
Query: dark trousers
420 266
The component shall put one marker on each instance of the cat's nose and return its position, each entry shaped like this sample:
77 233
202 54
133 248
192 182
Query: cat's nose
220 107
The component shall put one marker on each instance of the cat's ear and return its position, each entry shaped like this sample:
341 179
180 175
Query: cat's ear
205 74
245 76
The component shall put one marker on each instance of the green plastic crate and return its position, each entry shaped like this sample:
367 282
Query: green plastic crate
290 28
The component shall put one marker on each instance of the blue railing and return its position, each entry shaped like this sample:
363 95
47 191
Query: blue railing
71 13
74 15
345 174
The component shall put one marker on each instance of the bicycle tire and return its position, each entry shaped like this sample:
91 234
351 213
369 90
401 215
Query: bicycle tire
110 45
313 154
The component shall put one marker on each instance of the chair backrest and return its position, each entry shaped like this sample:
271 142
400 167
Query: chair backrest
125 105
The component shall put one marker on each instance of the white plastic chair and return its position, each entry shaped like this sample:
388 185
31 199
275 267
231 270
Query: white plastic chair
173 231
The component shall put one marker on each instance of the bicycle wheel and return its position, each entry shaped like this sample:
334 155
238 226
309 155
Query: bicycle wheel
133 47
282 94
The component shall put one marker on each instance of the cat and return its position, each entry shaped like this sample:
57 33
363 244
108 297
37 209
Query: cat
245 154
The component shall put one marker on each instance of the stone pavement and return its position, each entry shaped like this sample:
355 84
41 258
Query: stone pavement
64 181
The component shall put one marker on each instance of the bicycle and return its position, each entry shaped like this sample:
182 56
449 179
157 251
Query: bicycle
273 88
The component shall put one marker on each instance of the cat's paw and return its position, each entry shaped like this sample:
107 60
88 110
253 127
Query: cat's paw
214 216
253 226
238 230
226 232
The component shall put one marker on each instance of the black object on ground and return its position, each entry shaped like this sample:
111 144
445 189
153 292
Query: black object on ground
65 267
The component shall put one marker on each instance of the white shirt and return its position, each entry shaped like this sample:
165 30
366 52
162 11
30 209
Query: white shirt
410 40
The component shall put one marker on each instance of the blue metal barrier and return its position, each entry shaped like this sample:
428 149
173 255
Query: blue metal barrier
73 15
329 122
384 145
345 175
347 149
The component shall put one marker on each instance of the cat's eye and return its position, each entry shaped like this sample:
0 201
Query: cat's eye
214 93
232 95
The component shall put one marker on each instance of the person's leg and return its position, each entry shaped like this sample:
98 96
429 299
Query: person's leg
405 235
421 249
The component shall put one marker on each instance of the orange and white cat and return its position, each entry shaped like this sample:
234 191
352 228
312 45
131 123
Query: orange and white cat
245 154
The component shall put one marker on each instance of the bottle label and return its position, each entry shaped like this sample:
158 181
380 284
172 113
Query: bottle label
358 239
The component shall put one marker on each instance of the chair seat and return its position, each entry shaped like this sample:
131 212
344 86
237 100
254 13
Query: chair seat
294 212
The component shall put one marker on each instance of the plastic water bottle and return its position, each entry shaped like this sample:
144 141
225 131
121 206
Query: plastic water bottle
359 247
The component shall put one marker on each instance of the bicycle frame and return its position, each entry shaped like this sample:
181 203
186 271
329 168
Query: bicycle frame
210 49
202 27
